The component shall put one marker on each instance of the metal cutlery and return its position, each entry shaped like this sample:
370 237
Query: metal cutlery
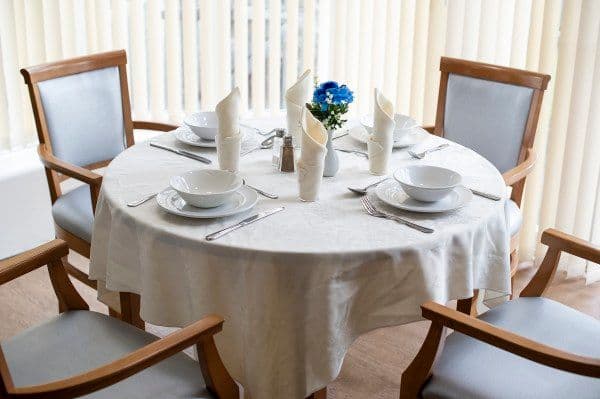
341 135
182 153
141 200
257 130
371 210
355 152
261 192
421 155
363 191
245 222
493 197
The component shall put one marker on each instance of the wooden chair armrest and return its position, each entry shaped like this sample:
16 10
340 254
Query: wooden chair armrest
558 242
520 171
74 171
122 368
149 125
25 262
573 245
428 128
511 342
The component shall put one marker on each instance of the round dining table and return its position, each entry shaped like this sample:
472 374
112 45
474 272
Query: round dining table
298 287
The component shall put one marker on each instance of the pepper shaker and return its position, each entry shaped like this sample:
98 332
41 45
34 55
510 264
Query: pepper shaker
286 160
277 143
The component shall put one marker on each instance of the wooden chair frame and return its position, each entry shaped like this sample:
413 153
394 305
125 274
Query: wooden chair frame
58 170
442 317
516 176
200 333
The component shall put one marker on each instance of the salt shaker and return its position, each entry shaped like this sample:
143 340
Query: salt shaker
286 163
277 143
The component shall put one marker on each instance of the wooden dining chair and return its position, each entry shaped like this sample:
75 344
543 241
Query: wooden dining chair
528 347
83 120
80 352
493 110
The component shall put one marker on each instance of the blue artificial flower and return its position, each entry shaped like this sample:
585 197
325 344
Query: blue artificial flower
329 85
342 95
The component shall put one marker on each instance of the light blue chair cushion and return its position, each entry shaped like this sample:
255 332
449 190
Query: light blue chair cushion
514 217
84 115
78 341
469 368
487 117
73 212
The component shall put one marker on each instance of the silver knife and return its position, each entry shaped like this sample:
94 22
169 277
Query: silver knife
245 222
183 153
493 197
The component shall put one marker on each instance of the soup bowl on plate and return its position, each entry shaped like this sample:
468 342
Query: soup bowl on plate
203 124
206 188
404 124
427 183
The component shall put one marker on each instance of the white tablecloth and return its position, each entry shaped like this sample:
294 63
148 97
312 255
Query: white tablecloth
297 288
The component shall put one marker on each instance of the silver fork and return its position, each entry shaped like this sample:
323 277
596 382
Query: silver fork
141 200
371 210
421 155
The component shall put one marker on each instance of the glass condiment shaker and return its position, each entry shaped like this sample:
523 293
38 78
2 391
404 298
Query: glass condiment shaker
286 163
277 143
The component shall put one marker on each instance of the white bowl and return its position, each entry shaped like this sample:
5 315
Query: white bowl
203 124
427 183
206 188
404 124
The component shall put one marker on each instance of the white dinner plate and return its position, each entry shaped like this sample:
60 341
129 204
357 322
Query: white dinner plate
186 136
360 134
392 194
243 199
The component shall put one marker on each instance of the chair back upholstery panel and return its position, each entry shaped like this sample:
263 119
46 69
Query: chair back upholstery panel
84 115
488 117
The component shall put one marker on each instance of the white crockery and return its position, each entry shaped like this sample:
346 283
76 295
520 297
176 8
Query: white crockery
404 124
241 201
360 134
204 124
206 188
427 183
392 194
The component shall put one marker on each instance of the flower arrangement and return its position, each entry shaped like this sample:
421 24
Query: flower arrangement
330 103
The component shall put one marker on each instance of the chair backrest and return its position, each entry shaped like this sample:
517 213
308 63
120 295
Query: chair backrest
81 107
491 109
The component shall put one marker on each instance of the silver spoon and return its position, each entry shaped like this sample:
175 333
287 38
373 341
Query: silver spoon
141 200
421 155
363 191
261 192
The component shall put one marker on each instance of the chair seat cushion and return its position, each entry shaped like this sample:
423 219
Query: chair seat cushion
77 341
73 212
514 217
468 368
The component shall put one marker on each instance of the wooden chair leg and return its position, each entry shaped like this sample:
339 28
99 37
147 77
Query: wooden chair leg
514 265
468 305
130 309
419 370
320 394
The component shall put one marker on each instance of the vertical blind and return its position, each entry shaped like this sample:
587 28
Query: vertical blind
185 55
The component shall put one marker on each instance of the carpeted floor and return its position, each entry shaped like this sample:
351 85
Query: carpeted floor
372 367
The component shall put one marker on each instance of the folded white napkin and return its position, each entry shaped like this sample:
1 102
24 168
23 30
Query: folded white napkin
381 141
312 157
228 137
295 99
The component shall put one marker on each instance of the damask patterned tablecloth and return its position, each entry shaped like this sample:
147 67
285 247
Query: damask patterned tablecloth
297 288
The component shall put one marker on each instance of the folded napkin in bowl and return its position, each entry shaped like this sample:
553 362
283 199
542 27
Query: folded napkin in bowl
381 140
312 157
228 137
296 98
